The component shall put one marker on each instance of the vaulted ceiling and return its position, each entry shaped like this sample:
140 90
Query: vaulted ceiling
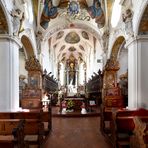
72 35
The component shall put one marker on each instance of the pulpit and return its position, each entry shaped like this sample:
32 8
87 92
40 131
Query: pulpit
32 94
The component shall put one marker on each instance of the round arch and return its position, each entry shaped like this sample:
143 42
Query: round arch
58 26
139 16
28 46
116 47
143 29
4 19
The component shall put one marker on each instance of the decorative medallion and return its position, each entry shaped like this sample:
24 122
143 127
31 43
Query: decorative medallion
62 48
85 35
73 7
81 47
59 35
71 49
72 38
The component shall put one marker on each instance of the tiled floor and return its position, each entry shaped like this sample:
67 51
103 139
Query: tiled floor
76 132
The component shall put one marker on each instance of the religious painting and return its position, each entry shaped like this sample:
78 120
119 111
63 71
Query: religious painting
31 93
72 38
97 13
49 12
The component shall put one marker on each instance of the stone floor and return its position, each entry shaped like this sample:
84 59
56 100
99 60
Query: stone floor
78 132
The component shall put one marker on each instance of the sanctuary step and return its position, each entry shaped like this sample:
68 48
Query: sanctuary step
56 113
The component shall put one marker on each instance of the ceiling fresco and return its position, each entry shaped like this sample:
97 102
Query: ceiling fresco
72 38
72 8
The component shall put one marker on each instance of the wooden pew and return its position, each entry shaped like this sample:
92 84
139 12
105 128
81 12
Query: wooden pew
12 133
33 133
113 100
122 126
106 117
140 137
44 117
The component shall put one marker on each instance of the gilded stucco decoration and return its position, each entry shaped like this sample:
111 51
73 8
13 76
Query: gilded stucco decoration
33 64
72 38
116 47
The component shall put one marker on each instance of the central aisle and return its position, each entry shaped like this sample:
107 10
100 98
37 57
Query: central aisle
76 133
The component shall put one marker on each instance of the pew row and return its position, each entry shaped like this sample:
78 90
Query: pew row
122 126
33 133
44 117
139 139
12 133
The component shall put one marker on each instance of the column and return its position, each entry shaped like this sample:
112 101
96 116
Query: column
138 72
9 74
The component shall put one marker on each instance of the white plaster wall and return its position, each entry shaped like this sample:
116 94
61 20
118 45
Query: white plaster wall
133 84
45 57
9 75
81 74
143 68
22 70
98 55
138 9
62 75
123 61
